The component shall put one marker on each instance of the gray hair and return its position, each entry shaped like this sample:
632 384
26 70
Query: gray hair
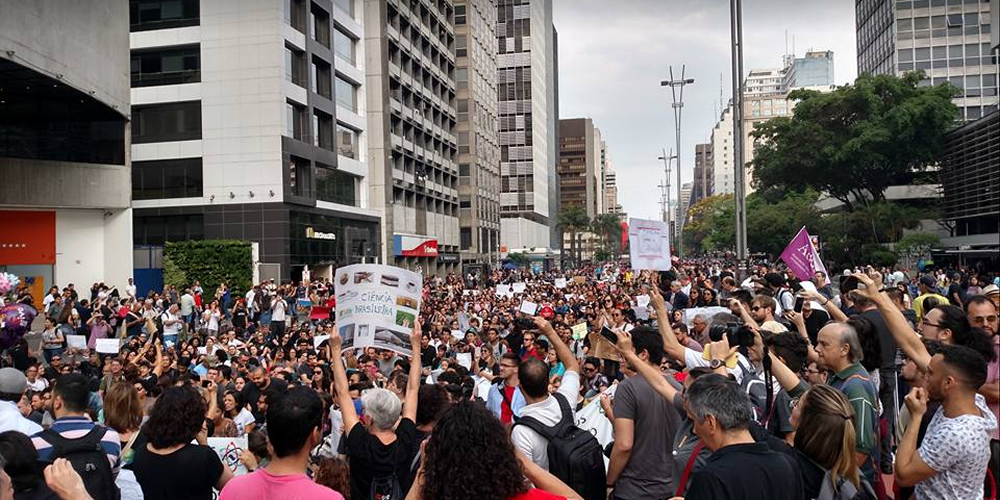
382 407
849 336
722 398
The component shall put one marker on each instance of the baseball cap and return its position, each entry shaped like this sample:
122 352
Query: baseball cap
12 381
928 280
991 290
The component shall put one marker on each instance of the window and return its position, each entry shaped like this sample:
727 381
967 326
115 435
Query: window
298 176
345 6
335 186
159 14
156 230
465 235
295 116
166 66
323 130
347 142
320 79
295 14
459 14
344 45
461 46
176 121
955 20
161 179
320 26
295 67
347 94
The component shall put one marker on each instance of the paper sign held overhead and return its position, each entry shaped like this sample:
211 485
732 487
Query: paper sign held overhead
377 306
519 287
642 300
77 341
107 346
319 339
649 244
464 359
579 331
503 290
529 308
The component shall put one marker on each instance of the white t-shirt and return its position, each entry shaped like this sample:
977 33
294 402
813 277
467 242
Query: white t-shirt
130 290
243 418
533 445
278 309
693 359
959 450
172 329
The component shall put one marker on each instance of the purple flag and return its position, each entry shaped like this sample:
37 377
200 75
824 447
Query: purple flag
801 257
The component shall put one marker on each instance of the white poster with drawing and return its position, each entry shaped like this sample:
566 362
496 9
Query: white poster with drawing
229 451
649 244
377 306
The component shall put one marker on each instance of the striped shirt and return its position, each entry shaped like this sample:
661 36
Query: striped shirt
75 428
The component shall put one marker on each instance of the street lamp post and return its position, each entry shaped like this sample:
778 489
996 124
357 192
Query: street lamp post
666 174
739 187
678 106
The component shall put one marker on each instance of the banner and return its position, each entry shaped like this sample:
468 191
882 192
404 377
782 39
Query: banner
591 418
801 257
377 306
649 244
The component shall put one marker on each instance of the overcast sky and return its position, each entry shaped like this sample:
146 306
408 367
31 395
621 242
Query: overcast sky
614 53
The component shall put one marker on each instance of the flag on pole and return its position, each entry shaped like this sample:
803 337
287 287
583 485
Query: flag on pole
802 258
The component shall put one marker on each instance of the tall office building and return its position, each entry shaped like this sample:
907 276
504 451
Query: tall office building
682 207
950 40
723 174
609 182
478 136
703 175
248 123
64 163
813 69
580 166
527 91
412 118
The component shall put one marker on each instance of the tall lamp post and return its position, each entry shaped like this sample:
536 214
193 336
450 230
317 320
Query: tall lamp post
666 174
739 177
677 93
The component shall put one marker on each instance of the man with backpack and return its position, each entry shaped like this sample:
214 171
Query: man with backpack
92 449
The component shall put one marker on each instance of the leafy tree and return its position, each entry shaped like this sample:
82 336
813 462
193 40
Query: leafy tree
210 261
856 141
573 220
519 259
913 246
704 218
609 228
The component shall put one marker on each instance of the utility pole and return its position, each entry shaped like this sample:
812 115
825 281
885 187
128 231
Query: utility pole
666 175
739 187
678 107
664 204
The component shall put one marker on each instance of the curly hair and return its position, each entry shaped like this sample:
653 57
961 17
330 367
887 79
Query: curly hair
176 418
334 473
466 437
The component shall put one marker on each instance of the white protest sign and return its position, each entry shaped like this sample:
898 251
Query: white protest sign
319 339
591 418
708 312
503 290
107 346
642 300
649 244
229 451
464 359
457 334
529 308
519 287
641 313
202 350
377 306
77 341
560 282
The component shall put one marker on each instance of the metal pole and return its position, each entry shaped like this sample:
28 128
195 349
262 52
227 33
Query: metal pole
678 106
666 175
739 188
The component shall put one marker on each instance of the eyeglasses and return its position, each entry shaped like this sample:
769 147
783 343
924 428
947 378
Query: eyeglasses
928 323
502 365
755 308
982 320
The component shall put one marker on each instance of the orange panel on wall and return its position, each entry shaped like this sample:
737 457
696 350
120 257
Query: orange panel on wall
27 238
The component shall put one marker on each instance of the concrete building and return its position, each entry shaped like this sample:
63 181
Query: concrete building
410 80
682 207
528 111
970 185
248 123
580 166
723 174
949 40
478 136
609 182
703 176
64 159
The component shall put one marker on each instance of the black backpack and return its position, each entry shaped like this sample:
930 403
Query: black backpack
88 459
575 455
386 488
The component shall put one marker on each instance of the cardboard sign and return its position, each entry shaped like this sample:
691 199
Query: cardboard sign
77 341
560 282
529 308
107 346
579 280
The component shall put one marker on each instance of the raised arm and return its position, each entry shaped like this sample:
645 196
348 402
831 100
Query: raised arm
831 308
562 350
671 346
744 314
800 325
413 383
158 368
908 340
340 382
652 375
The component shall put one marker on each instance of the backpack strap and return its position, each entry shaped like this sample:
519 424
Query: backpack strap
553 432
687 468
62 446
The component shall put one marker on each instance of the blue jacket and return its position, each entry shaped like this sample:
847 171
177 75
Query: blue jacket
495 399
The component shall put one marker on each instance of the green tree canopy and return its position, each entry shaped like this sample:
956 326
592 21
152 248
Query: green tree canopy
572 220
856 141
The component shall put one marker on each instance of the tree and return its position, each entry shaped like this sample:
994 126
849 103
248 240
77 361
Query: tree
913 246
704 218
855 142
518 259
573 220
609 228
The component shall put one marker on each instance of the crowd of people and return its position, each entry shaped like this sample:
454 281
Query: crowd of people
876 383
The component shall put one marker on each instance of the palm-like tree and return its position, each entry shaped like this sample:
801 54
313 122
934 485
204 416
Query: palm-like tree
573 220
608 227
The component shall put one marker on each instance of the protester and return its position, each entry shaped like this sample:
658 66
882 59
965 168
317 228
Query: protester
13 384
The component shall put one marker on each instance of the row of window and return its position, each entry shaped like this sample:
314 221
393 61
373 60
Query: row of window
161 14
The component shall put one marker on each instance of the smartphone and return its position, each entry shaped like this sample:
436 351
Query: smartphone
609 334
798 304
205 383
849 283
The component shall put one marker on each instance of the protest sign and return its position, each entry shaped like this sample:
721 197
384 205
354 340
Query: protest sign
801 257
641 313
591 418
560 282
319 313
642 300
503 290
319 339
377 306
464 359
708 312
529 308
77 341
579 331
649 244
107 346
229 451
519 287
457 334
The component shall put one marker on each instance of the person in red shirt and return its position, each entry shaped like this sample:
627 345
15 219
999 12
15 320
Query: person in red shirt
468 437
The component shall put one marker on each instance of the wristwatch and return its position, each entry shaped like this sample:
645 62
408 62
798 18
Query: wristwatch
716 363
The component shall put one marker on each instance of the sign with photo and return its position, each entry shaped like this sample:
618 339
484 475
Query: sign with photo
377 306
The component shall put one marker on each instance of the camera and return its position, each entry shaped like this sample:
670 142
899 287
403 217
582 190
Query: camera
738 334
524 323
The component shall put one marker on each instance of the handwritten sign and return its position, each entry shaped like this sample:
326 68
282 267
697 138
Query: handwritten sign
107 346
377 306
560 282
579 331
77 341
649 244
464 359
503 290
519 287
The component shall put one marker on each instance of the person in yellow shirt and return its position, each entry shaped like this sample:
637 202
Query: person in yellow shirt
928 288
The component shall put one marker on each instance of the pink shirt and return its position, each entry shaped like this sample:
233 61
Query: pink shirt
261 485
993 377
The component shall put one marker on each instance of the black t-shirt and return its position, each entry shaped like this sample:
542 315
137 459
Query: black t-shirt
371 459
188 473
816 320
428 356
747 472
953 290
251 393
812 474
886 340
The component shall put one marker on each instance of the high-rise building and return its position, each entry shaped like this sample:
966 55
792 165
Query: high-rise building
410 80
478 135
723 174
813 70
527 91
703 175
580 166
950 40
64 99
970 185
609 182
682 207
248 123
